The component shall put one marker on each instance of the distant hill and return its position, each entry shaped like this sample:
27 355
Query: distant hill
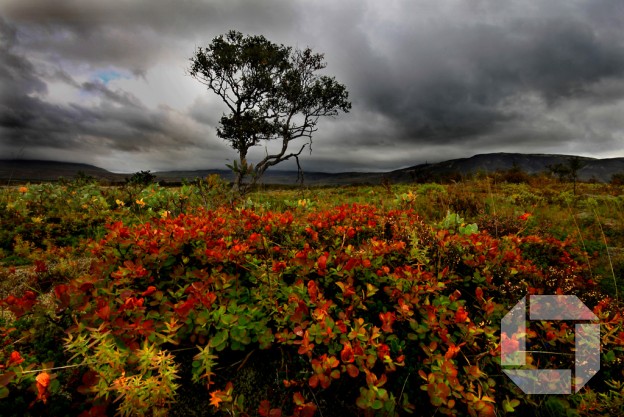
598 169
39 170
21 170
280 177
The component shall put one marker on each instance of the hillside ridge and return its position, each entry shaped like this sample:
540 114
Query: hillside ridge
593 168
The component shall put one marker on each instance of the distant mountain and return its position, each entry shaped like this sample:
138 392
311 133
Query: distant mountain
36 170
21 170
599 169
280 177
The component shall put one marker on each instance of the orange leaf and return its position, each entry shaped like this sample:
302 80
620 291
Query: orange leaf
452 351
524 216
43 381
298 398
215 398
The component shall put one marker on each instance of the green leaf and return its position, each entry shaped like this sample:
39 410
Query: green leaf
55 385
361 402
469 229
377 405
609 356
219 340
507 406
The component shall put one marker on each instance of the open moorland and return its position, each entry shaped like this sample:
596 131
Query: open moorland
144 300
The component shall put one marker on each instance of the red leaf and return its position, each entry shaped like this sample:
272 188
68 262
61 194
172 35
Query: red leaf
452 351
479 293
103 311
352 370
15 358
461 315
347 353
95 411
149 291
306 347
40 267
387 319
307 410
298 398
322 262
278 266
264 408
62 294
314 381
185 308
525 216
312 290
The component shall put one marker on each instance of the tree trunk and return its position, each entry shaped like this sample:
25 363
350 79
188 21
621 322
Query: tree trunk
240 173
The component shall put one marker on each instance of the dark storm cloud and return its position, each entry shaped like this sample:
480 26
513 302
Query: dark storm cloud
171 17
135 34
504 76
120 97
453 83
16 72
118 121
429 80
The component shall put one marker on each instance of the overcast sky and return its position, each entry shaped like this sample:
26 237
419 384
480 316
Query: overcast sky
105 82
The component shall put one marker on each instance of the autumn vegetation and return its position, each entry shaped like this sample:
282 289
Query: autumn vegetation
370 300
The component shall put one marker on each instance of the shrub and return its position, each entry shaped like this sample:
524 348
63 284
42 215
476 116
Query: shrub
617 179
386 322
141 178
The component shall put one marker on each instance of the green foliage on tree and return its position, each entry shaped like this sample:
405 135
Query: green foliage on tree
568 171
83 178
141 178
273 93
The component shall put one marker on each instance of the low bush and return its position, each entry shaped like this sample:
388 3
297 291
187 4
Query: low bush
358 309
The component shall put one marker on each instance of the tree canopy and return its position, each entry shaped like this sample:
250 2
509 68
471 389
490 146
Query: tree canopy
273 92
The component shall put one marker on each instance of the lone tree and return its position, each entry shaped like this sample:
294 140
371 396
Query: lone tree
273 93
569 170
